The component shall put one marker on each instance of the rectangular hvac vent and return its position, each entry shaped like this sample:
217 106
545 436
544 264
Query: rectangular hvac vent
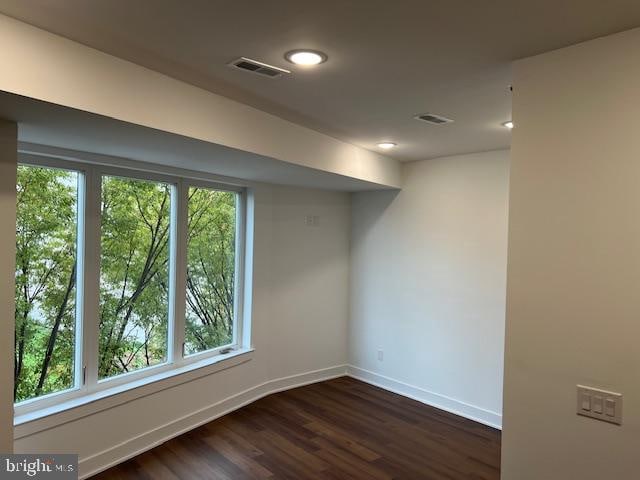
432 118
259 68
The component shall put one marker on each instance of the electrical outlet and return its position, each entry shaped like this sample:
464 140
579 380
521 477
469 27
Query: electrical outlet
380 355
599 404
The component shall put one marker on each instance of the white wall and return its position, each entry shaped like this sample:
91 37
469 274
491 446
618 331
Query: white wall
428 283
573 314
8 166
300 313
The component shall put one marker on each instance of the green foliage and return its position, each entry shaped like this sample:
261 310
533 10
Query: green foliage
44 281
134 276
210 269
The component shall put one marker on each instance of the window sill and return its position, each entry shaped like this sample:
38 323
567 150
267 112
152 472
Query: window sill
70 410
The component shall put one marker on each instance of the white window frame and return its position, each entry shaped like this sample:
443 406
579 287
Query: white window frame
240 248
90 175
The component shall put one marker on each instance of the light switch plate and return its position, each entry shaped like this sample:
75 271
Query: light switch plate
599 404
312 220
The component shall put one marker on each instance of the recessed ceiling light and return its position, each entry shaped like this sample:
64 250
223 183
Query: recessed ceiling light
305 58
508 124
387 145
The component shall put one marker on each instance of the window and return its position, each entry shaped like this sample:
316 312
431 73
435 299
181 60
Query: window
120 274
45 281
210 269
134 275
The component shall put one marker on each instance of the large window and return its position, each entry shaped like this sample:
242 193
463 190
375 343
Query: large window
120 275
45 280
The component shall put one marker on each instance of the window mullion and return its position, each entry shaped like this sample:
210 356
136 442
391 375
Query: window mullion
180 220
80 285
238 286
244 268
91 300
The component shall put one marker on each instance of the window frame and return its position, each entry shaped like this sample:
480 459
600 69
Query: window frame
53 397
239 253
88 248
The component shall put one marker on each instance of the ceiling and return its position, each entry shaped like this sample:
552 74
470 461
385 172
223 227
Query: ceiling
71 133
388 60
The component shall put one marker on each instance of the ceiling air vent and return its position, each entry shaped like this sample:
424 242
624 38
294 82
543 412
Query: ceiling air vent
433 119
259 68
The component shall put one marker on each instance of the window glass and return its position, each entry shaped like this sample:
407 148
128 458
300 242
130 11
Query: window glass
211 259
45 281
134 275
129 253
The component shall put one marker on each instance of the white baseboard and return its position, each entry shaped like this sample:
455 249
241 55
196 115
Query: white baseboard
121 452
98 462
436 400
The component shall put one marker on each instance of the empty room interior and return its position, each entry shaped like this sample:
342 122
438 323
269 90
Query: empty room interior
348 239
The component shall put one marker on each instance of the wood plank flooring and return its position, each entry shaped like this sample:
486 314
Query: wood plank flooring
340 429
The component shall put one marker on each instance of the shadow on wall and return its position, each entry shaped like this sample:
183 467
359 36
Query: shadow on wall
377 203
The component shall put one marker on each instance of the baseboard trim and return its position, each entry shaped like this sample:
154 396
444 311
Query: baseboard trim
432 399
101 461
96 463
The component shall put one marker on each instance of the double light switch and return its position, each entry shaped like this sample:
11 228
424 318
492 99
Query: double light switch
600 404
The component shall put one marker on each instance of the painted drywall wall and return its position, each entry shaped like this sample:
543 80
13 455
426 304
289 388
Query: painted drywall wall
8 166
37 64
300 313
573 301
428 283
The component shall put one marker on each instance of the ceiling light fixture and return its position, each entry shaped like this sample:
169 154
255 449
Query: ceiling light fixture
306 58
387 145
508 124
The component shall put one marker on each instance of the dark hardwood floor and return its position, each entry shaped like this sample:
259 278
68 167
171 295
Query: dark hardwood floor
340 429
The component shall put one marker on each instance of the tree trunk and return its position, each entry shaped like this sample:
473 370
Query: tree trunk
54 331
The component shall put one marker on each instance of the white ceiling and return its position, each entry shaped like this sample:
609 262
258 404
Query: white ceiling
388 60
